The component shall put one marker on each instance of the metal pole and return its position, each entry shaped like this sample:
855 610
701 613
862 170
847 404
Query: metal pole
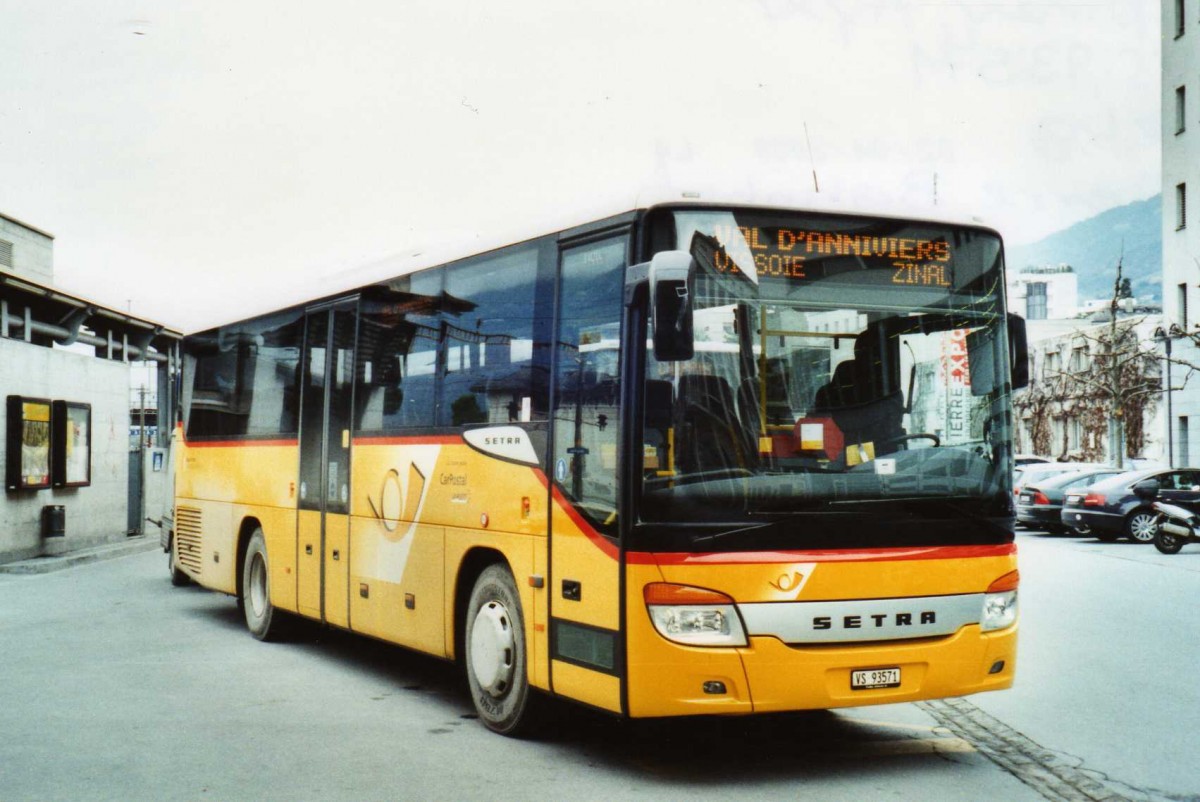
1170 414
141 527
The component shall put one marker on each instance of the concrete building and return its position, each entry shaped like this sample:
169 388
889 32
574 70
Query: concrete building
1060 415
71 480
1181 225
1044 293
26 250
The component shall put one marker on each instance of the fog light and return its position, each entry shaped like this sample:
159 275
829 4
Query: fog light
716 688
997 667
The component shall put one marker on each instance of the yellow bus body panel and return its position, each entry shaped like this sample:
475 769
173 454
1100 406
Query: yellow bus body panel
419 507
232 482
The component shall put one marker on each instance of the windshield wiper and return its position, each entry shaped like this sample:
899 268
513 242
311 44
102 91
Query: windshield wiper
722 535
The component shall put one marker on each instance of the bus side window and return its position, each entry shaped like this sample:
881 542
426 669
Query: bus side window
490 333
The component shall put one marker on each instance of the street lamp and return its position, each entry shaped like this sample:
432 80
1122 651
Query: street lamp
1165 338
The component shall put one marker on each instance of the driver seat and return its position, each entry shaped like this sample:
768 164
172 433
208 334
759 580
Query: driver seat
856 401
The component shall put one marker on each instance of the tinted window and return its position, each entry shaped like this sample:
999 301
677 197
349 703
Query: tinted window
491 375
244 378
459 345
400 327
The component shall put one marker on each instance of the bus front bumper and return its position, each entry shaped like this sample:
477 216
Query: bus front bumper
770 676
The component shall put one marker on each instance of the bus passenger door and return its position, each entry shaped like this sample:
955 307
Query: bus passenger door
323 535
586 654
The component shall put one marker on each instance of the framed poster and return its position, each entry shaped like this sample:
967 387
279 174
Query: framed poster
72 444
27 445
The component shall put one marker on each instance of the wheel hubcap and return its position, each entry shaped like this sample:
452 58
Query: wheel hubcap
258 585
493 649
1142 527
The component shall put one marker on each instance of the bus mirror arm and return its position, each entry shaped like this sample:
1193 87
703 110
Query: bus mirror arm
671 280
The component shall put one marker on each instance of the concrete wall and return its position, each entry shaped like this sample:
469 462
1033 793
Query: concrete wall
32 251
94 514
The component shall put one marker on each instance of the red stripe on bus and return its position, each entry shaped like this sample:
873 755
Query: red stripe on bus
598 540
830 556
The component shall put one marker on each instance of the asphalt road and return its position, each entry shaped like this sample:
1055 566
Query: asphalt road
114 685
1109 649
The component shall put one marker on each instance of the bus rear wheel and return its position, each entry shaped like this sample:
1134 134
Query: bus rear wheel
496 659
262 619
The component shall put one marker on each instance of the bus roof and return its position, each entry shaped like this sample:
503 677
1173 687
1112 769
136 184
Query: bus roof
412 260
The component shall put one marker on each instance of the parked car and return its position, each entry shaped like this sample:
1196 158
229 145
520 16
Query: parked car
1040 471
1029 459
1110 509
1039 504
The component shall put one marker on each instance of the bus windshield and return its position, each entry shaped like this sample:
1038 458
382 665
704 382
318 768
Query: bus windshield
840 363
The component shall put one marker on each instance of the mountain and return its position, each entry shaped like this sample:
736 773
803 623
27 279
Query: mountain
1093 246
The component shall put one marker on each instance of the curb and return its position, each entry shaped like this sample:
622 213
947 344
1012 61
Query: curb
109 551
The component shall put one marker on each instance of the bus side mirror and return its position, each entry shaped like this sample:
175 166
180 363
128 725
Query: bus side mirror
671 275
1018 351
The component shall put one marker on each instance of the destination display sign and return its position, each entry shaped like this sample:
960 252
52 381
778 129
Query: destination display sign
808 254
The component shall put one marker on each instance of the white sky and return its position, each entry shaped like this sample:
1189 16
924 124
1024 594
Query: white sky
198 158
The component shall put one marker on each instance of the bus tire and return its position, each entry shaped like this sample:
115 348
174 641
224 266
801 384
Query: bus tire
178 578
496 658
262 619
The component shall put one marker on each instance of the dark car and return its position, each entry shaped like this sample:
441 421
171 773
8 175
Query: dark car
1110 508
1039 503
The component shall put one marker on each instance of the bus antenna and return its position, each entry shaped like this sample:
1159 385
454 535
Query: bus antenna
811 161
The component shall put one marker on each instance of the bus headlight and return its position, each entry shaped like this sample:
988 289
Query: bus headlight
1000 603
694 616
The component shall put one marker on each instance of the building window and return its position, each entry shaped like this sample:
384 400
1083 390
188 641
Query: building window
1184 459
1052 364
1179 18
1180 109
1180 206
1181 300
1035 300
6 253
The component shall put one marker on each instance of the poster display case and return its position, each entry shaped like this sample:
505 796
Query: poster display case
27 444
72 444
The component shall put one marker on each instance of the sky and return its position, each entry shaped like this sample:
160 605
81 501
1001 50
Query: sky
199 159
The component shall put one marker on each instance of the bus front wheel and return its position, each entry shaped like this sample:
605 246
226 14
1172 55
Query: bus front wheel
262 619
496 659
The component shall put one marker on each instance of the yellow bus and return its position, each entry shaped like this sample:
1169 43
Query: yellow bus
688 459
